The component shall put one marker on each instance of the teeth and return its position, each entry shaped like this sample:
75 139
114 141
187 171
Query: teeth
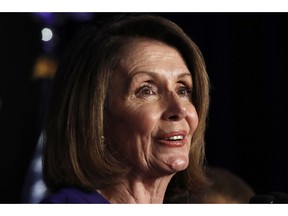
175 138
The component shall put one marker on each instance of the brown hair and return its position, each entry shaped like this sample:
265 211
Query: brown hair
225 187
75 153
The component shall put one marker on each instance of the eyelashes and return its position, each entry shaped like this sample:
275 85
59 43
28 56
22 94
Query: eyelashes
146 90
184 91
149 89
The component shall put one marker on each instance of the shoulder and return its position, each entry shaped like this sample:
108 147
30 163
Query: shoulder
74 195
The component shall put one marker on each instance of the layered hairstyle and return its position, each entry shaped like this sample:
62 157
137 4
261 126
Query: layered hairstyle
75 151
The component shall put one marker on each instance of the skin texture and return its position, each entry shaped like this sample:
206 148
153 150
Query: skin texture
150 101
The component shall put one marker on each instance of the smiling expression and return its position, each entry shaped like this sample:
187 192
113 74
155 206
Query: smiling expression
151 116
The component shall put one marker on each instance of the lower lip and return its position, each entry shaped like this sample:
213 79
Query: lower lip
170 143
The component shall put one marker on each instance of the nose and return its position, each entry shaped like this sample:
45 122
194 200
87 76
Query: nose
175 109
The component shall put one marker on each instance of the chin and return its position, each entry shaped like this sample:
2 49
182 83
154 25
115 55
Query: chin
176 163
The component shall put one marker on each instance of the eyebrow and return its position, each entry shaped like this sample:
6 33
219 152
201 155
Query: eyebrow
152 74
185 74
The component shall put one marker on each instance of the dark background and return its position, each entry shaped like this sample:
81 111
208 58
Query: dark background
247 61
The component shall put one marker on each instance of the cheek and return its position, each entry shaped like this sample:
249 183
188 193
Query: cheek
192 119
132 122
143 121
130 130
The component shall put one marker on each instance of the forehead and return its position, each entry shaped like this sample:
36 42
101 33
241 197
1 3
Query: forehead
147 54
147 47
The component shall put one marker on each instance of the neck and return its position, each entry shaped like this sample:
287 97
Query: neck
137 190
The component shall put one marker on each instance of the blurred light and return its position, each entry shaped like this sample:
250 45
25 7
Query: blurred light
44 67
46 34
46 17
37 164
38 191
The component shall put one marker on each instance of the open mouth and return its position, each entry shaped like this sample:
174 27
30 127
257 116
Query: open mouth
174 139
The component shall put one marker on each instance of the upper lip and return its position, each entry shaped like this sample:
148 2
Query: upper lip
181 134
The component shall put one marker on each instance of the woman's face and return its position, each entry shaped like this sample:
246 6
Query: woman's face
151 118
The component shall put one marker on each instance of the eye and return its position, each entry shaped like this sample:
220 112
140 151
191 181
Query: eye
184 91
145 90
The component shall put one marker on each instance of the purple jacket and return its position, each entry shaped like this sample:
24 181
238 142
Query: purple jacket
73 196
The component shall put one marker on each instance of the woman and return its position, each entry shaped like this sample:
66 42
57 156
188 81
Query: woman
127 112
